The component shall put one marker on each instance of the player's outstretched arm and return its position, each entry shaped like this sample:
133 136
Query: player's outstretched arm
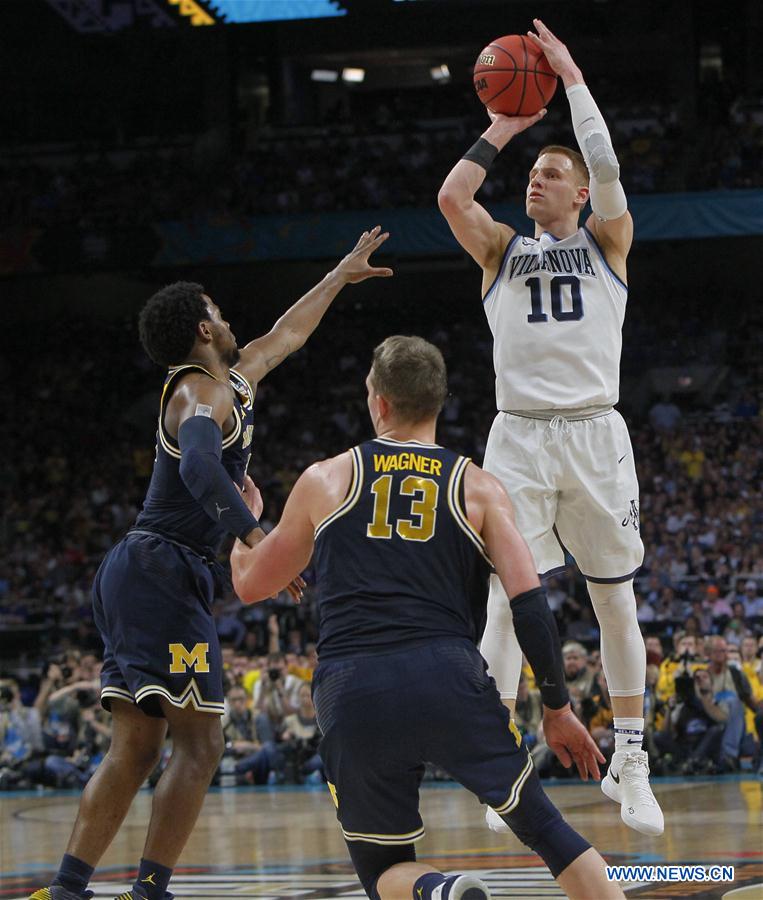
296 325
611 223
534 624
472 225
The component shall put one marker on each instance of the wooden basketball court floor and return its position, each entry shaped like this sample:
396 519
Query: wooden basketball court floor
284 842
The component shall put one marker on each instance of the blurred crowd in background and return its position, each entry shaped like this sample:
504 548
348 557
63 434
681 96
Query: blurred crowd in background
393 158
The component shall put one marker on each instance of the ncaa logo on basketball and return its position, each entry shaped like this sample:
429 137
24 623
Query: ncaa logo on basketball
486 59
481 85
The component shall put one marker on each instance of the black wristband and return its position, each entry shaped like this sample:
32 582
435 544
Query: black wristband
538 638
483 153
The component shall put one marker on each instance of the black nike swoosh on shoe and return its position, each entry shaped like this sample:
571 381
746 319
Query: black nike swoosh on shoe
621 458
615 778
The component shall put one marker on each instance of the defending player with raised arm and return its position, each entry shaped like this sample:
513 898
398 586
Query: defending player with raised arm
556 304
154 590
402 532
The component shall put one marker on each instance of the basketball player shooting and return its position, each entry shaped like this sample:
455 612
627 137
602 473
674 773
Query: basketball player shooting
556 304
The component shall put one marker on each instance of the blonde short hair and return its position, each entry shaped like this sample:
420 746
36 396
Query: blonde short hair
410 373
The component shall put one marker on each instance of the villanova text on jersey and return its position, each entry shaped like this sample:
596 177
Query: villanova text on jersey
398 562
556 311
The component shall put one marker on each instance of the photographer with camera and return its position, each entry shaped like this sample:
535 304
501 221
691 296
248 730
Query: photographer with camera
275 697
693 728
252 760
20 737
684 659
92 744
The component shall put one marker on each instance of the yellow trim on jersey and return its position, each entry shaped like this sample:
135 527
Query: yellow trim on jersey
516 789
171 448
393 443
117 694
459 515
191 695
352 497
385 839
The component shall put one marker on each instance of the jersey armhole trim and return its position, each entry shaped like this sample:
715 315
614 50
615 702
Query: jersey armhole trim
245 384
169 444
458 513
603 258
352 497
506 255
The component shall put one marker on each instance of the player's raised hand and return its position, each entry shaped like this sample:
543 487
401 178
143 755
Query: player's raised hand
355 266
567 737
504 128
557 54
252 497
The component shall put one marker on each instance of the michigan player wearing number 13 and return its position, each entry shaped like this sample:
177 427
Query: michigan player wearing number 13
402 534
556 303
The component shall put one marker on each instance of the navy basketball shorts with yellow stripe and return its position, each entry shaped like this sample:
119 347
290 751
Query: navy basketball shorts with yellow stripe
151 604
383 717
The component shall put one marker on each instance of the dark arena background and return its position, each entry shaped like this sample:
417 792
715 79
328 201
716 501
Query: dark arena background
245 144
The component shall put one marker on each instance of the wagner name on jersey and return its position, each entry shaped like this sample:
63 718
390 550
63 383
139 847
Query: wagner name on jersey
556 311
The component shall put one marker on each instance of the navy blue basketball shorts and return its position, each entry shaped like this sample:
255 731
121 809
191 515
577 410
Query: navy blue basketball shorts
151 603
383 717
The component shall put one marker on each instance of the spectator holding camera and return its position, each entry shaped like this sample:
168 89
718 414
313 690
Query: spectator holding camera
693 731
254 761
301 737
275 697
684 660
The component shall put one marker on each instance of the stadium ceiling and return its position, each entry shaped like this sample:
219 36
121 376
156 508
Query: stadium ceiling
110 16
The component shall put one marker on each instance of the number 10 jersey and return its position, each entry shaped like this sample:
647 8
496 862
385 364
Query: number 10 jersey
556 311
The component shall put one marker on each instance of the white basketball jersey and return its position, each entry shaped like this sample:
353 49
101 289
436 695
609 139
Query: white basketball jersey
556 311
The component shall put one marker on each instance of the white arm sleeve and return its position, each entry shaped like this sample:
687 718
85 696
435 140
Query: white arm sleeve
607 194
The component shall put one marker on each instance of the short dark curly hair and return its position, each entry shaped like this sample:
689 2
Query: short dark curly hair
167 323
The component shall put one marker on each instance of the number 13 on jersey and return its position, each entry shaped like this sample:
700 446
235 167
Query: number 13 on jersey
423 506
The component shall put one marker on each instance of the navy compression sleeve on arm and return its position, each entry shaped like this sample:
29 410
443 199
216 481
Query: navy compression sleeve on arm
201 449
538 636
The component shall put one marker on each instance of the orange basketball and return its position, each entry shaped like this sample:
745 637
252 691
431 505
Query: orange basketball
512 76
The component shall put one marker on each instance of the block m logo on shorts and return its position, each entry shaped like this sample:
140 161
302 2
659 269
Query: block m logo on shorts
183 659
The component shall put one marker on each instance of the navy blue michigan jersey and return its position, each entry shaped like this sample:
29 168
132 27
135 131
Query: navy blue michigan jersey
399 562
169 508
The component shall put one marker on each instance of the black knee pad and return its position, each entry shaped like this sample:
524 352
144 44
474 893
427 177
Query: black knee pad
371 861
540 826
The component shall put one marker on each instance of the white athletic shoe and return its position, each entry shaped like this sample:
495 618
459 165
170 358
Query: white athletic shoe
462 887
627 783
495 822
